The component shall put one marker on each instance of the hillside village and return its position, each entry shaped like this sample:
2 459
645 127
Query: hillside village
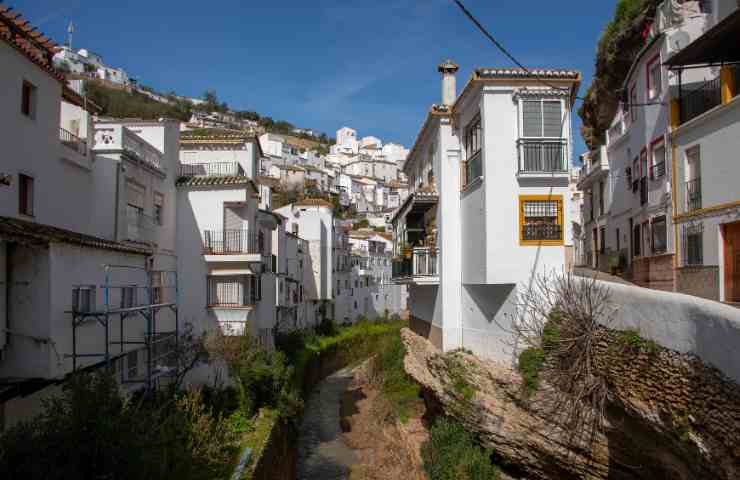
177 247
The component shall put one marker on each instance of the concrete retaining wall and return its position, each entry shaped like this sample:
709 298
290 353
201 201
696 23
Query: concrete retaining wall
684 323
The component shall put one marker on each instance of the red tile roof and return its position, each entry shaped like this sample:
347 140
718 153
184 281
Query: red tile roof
21 35
203 181
314 202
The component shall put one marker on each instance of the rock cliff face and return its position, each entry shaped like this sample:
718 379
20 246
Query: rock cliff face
669 415
621 41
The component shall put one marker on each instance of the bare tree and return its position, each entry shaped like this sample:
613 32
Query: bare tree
563 315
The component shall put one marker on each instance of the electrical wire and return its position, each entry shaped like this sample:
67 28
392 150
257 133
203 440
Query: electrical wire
511 57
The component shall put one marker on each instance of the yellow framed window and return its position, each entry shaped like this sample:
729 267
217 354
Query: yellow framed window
541 220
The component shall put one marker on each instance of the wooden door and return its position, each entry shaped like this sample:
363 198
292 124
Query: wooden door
732 262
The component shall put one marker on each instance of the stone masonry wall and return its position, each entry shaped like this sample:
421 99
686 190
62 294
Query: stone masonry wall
654 272
700 281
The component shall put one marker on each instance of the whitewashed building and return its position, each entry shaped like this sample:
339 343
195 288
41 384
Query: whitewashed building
488 203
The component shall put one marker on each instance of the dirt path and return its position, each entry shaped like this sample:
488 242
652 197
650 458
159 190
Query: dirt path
322 451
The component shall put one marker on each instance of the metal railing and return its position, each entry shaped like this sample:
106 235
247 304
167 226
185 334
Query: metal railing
693 194
230 242
234 292
72 141
542 156
701 99
423 262
542 231
214 169
657 170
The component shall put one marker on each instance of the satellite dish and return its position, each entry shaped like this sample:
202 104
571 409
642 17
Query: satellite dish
679 40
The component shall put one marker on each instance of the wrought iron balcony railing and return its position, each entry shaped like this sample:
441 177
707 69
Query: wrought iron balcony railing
693 194
542 156
701 99
231 242
423 262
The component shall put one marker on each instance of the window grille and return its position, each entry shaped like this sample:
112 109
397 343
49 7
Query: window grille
693 253
541 220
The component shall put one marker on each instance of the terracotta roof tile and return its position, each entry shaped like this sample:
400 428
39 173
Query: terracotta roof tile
16 230
553 73
24 37
204 181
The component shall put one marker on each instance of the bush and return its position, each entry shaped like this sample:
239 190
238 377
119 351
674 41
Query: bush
452 454
91 431
529 366
398 387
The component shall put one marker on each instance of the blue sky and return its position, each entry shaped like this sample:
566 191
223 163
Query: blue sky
369 64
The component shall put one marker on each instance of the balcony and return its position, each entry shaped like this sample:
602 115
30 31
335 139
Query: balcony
233 291
115 138
232 246
542 156
421 266
214 169
73 142
657 170
595 166
700 100
693 194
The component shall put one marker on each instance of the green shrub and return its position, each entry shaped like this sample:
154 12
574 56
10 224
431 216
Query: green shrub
398 387
550 336
91 431
632 340
452 454
529 366
457 370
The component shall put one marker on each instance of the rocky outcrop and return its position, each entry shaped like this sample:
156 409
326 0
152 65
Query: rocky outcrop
669 415
619 45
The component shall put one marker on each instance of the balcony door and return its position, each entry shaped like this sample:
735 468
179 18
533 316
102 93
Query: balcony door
234 235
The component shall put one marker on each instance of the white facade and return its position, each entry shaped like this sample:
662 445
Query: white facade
87 63
488 207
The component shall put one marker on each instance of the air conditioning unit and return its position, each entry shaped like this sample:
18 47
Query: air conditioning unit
83 299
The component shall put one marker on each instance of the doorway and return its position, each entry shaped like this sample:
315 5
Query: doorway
732 262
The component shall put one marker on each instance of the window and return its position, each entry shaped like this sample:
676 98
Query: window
654 77
633 103
643 163
601 198
294 229
25 195
618 241
540 220
28 99
659 240
255 288
542 118
692 244
602 240
657 169
693 178
636 240
228 291
628 174
472 140
159 208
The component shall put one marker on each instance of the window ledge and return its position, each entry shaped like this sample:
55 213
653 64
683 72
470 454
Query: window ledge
477 181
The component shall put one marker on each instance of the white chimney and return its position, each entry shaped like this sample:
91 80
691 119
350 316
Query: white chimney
449 92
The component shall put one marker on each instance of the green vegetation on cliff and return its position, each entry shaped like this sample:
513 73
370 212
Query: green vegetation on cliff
618 46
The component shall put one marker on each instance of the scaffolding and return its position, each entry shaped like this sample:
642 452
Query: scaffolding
122 303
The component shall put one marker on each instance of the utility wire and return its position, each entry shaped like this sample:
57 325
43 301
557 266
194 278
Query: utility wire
511 57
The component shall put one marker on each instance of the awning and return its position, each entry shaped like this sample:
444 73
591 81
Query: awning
719 44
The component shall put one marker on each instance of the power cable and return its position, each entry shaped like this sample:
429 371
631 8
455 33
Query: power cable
511 57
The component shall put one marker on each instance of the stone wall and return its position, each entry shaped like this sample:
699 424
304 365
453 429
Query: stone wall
277 460
654 272
700 281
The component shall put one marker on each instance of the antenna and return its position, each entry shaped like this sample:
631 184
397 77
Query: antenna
70 31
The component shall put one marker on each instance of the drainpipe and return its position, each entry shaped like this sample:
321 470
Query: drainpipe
118 201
